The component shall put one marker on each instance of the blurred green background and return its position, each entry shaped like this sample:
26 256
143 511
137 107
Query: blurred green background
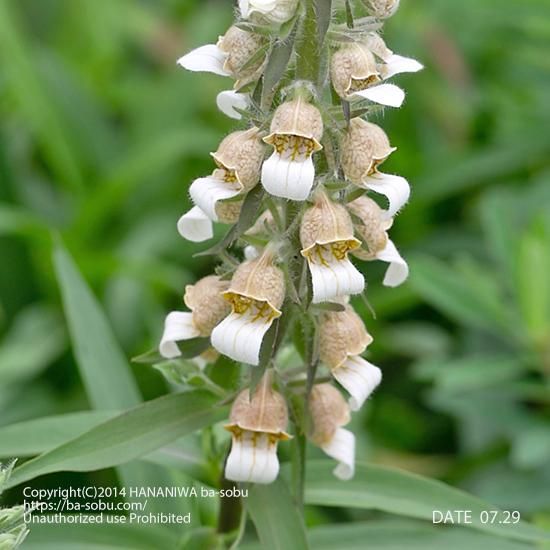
101 135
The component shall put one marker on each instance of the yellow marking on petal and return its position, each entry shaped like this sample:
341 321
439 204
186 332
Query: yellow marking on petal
358 84
293 147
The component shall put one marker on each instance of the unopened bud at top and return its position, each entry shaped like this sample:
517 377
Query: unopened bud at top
205 300
329 411
364 147
342 334
382 8
240 155
240 46
371 226
353 68
272 11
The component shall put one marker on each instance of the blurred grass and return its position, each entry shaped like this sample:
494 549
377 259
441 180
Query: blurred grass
101 134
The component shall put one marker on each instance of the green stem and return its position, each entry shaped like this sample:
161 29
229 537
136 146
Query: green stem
308 54
231 509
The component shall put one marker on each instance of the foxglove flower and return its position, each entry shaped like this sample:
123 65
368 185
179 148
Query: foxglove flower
239 158
208 308
272 11
355 74
326 234
256 293
296 129
364 147
257 423
343 338
372 229
231 56
329 412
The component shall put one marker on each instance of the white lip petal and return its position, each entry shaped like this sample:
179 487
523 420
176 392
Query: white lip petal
207 58
253 458
239 336
251 252
338 278
244 8
359 378
398 270
290 179
195 226
398 64
177 326
385 94
395 188
342 448
228 100
206 192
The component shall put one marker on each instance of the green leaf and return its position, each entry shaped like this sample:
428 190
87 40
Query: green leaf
533 285
69 536
456 293
128 436
399 492
277 520
37 337
403 535
103 367
34 105
33 437
323 11
276 67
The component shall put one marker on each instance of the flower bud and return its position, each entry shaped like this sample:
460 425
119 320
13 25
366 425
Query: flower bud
326 234
271 11
364 147
371 228
257 424
239 47
256 293
342 333
329 412
382 8
353 68
296 128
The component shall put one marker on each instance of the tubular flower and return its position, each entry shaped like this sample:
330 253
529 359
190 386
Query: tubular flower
343 338
231 56
208 308
239 158
296 129
364 147
329 412
392 63
257 423
382 8
273 11
373 232
256 293
355 74
326 234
